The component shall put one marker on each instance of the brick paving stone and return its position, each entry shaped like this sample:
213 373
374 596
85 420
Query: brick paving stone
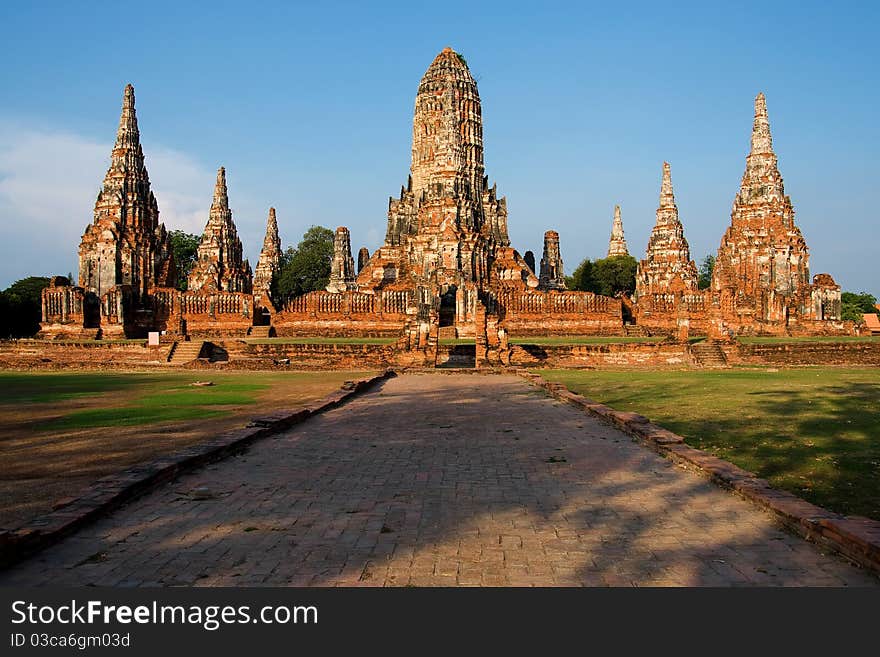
441 480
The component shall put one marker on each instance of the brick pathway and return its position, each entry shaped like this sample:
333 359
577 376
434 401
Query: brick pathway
441 479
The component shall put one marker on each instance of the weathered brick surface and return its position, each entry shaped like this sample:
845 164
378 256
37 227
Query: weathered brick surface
472 480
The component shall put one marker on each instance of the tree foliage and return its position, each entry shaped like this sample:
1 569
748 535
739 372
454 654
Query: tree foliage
20 307
853 305
606 276
183 248
305 268
704 278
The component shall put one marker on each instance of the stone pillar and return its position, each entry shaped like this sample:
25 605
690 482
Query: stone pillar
552 276
342 266
617 243
529 257
363 258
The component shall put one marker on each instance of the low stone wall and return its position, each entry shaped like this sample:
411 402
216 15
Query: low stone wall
660 354
804 353
46 354
299 326
242 355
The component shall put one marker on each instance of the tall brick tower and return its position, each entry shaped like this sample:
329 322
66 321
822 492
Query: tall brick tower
126 244
667 266
762 270
448 228
219 265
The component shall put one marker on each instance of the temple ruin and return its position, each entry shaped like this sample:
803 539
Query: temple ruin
761 280
447 268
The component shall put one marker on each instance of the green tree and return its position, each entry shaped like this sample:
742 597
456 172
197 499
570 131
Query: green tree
853 306
305 268
613 275
582 278
707 266
21 307
183 247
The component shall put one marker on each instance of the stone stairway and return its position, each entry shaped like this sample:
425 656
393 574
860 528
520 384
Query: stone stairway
454 356
634 330
185 352
708 354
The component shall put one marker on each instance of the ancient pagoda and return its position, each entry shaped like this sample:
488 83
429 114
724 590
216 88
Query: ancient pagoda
448 228
762 272
270 259
219 265
125 244
617 243
667 267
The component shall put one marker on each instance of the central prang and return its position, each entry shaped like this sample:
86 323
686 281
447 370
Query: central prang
447 230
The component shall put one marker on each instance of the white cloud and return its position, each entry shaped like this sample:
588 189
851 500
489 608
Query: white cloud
48 183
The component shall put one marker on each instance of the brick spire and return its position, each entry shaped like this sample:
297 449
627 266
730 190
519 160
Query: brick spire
668 255
761 182
667 197
762 142
219 265
221 194
126 244
270 256
617 243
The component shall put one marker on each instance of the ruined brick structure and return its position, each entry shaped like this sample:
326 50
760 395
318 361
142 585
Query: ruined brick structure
667 298
219 265
124 252
446 268
342 272
269 262
363 258
447 230
617 242
761 282
667 266
552 272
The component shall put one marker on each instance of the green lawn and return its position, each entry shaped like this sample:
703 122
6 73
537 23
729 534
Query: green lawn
142 399
320 340
812 431
59 432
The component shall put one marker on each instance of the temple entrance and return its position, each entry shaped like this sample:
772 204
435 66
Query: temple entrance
447 307
91 310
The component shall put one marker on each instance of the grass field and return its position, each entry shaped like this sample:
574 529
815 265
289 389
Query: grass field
61 431
812 431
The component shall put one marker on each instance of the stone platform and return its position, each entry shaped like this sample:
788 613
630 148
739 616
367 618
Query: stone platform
441 479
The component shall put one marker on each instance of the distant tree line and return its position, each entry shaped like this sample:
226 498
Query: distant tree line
21 307
853 306
608 276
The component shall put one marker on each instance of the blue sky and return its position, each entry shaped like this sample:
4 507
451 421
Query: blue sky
309 107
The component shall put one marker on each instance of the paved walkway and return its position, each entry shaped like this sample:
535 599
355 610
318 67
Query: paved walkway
441 479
